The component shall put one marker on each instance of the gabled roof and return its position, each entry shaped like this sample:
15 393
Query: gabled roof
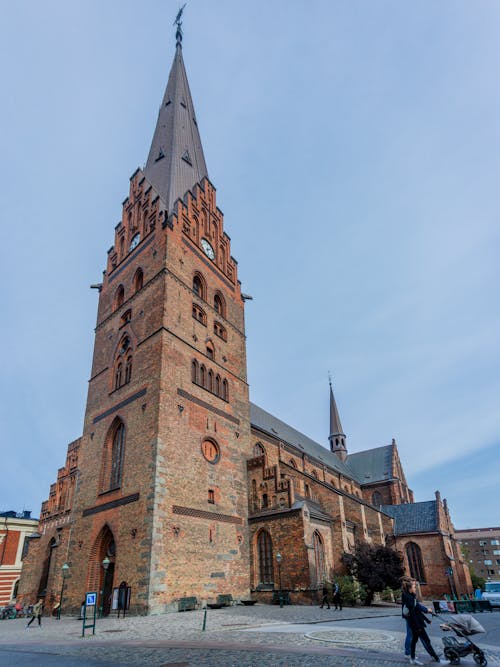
372 465
278 429
176 162
413 517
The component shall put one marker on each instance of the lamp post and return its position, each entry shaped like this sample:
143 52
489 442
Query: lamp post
105 564
279 558
64 572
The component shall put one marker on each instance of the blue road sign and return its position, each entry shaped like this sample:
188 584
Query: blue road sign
90 599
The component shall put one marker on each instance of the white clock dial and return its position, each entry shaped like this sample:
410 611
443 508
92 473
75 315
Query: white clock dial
207 249
135 241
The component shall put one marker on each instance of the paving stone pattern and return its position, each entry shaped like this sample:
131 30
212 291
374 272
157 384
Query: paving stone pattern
178 639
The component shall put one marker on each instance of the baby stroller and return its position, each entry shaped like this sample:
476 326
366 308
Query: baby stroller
463 625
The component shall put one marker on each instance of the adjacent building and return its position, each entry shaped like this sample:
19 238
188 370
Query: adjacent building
15 529
179 485
481 549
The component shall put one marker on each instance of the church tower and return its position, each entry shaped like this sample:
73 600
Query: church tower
337 437
161 496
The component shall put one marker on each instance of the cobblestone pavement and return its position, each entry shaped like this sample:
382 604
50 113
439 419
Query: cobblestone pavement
260 635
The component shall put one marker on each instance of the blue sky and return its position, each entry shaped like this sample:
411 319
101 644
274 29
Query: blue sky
355 147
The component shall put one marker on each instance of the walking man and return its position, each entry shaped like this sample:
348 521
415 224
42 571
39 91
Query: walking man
36 613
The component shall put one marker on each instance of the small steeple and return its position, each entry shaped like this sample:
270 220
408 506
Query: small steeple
337 436
176 162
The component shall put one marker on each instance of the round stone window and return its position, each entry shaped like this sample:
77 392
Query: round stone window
210 450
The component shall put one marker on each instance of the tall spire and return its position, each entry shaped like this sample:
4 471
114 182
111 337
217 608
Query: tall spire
176 162
337 436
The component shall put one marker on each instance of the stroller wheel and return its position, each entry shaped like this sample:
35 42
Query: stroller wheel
452 655
480 659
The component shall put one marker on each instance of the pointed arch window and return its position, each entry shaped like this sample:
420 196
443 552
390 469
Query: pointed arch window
194 371
138 280
265 551
414 555
203 375
220 305
117 453
377 498
199 287
113 457
220 331
210 383
118 375
258 449
217 385
128 369
119 297
225 390
319 558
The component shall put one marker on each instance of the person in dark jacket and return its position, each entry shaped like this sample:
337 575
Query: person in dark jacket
413 612
36 613
337 599
324 599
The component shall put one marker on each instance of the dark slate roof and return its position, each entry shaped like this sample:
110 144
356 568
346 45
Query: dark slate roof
278 429
373 465
176 162
413 517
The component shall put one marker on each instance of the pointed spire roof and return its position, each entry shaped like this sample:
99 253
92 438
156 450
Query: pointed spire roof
335 425
337 435
176 162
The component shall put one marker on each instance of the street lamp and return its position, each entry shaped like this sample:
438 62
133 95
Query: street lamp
105 564
279 558
64 572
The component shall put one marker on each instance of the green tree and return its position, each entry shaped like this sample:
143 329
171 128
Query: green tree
376 567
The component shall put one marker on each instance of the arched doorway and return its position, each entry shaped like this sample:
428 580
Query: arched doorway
99 578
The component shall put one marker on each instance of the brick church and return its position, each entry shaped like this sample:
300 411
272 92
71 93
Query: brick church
179 485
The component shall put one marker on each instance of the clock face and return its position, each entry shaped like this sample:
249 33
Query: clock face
207 249
135 241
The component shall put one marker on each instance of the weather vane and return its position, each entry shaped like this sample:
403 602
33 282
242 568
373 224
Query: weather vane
178 23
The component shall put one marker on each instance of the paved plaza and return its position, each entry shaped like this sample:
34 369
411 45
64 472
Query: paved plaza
260 635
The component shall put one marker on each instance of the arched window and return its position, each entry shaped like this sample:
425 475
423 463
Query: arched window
119 296
377 498
225 390
258 449
128 369
265 549
199 286
332 483
219 330
210 350
307 490
117 453
319 559
203 375
220 305
414 555
113 457
315 474
265 500
118 375
217 385
199 314
210 384
194 371
138 280
292 463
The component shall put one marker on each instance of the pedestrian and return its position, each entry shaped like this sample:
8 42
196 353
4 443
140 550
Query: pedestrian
414 614
478 593
324 599
337 598
36 613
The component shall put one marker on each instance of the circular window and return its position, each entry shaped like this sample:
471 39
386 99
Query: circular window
210 451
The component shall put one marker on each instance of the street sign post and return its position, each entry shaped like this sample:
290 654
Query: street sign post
91 605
